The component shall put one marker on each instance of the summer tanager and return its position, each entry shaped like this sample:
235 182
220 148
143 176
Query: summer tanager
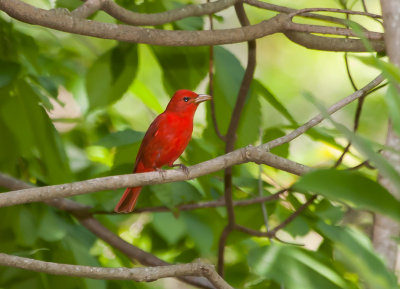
164 141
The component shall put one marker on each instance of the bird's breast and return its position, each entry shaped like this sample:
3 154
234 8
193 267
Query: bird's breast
169 141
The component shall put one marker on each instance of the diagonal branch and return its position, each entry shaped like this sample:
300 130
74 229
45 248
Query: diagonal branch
287 221
319 118
257 154
137 274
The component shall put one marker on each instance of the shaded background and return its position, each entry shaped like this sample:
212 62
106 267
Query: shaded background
74 108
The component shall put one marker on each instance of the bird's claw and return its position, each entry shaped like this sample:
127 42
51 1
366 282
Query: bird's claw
184 168
162 172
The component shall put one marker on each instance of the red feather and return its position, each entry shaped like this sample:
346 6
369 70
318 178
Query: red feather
164 141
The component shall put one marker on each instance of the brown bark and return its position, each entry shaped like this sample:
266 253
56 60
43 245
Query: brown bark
385 230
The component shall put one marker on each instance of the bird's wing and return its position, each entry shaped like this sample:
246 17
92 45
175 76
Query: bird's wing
150 134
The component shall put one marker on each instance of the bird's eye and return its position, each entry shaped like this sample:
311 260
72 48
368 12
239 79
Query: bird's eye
186 99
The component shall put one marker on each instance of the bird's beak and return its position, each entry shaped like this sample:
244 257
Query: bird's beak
202 97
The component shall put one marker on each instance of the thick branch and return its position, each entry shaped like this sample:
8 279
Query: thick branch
138 274
134 180
87 8
67 23
60 20
134 18
332 44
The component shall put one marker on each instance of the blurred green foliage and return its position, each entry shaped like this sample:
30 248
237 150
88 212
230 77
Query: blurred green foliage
112 91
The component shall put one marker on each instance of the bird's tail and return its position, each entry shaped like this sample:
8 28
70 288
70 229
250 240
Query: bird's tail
127 203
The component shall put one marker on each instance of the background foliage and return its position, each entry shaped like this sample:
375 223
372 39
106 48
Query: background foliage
74 108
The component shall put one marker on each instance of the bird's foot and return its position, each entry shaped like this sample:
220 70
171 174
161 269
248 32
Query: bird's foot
182 167
162 172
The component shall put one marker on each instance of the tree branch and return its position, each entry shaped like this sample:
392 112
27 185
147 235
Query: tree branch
317 119
134 18
88 8
345 11
240 156
230 137
65 22
324 43
257 154
81 212
60 20
200 205
287 221
148 274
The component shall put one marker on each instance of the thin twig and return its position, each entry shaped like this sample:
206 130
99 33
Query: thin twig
363 164
200 205
260 188
93 225
317 119
287 221
346 62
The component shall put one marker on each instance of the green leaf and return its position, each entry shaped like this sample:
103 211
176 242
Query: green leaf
49 85
199 230
273 133
173 194
351 187
79 241
295 267
69 4
362 145
170 228
35 135
190 23
183 68
146 95
392 98
272 100
8 72
26 232
120 138
250 121
328 212
355 250
228 76
51 227
390 70
111 75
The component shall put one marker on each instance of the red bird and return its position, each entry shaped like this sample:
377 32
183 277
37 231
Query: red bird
164 141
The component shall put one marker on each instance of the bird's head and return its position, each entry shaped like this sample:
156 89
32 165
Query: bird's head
186 101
